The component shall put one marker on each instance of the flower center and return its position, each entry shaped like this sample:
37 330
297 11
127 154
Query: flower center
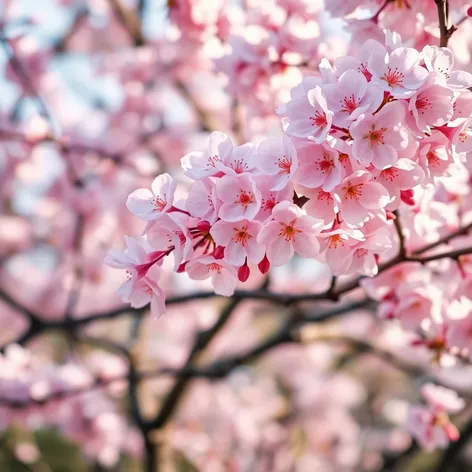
322 195
288 231
159 203
239 166
349 104
433 159
245 198
284 165
319 120
212 160
423 103
359 253
389 174
393 77
241 235
335 241
269 203
214 267
363 70
352 191
463 136
375 136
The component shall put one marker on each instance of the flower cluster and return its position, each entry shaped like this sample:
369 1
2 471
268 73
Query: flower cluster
416 21
86 416
430 423
360 142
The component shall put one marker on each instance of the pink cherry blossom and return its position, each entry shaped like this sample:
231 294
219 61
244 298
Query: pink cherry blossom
404 175
379 138
407 273
279 159
198 165
222 274
417 304
441 60
172 233
337 248
378 240
351 97
202 200
291 231
147 291
308 116
434 155
360 62
239 240
137 259
431 105
320 205
430 425
398 72
358 195
269 197
152 204
240 197
319 166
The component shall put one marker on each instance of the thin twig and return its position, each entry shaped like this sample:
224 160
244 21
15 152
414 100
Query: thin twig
27 83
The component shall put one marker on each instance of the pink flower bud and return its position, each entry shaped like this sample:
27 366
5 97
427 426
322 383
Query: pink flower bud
407 197
244 272
264 265
204 226
219 252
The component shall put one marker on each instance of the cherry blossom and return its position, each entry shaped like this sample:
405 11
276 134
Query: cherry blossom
338 246
240 197
198 165
150 205
307 114
357 196
351 97
431 105
291 231
319 166
430 424
379 138
238 135
278 158
398 72
239 240
223 275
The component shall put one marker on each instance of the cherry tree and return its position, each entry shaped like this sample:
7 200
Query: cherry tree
236 235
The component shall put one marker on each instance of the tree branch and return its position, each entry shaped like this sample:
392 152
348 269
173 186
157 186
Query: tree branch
130 21
444 31
22 74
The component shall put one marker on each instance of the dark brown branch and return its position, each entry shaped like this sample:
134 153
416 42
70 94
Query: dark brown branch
214 370
445 239
261 294
445 31
130 20
401 235
206 121
202 340
79 18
